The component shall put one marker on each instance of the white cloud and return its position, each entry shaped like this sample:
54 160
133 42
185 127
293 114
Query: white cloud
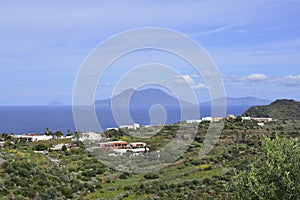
199 86
256 77
216 30
293 77
188 79
180 81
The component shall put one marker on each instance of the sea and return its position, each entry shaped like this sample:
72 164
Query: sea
35 119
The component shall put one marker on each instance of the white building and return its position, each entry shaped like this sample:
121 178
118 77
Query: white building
90 136
33 137
136 151
246 118
134 126
260 124
263 119
112 128
137 144
209 119
69 136
259 119
191 121
217 119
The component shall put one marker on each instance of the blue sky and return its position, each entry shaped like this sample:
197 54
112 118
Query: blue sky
255 44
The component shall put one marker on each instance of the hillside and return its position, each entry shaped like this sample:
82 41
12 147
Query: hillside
280 109
77 173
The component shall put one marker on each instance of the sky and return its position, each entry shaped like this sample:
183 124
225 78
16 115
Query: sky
255 45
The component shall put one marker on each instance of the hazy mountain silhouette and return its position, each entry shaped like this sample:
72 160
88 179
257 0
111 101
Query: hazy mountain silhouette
241 101
56 103
148 97
142 98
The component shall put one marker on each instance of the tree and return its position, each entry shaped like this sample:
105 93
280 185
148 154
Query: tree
5 136
48 132
78 134
239 118
69 132
64 148
58 134
274 176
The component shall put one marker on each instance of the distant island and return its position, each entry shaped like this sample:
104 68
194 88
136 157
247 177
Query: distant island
240 101
142 98
150 96
279 109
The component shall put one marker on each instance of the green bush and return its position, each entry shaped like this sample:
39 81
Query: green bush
274 176
124 176
40 147
151 175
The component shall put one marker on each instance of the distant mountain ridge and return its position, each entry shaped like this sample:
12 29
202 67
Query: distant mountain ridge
56 103
249 101
147 97
279 109
142 98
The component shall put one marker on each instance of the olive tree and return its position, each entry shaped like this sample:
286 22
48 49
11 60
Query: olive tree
275 175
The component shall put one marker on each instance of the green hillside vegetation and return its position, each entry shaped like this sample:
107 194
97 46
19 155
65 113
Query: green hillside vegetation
280 109
26 174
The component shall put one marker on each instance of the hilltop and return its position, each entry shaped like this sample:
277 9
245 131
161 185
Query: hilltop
279 109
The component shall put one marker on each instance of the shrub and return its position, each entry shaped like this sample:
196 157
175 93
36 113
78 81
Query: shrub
205 167
40 147
275 176
64 148
89 173
124 176
196 162
206 181
151 175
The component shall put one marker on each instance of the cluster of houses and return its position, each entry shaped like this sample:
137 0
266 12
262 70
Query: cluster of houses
260 120
122 147
204 119
116 147
32 137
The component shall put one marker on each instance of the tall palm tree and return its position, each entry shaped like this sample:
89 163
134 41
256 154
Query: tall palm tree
77 135
47 132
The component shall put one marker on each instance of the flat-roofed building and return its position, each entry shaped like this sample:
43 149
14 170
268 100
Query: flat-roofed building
113 145
209 119
191 121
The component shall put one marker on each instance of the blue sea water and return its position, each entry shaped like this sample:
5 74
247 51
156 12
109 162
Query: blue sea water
35 119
